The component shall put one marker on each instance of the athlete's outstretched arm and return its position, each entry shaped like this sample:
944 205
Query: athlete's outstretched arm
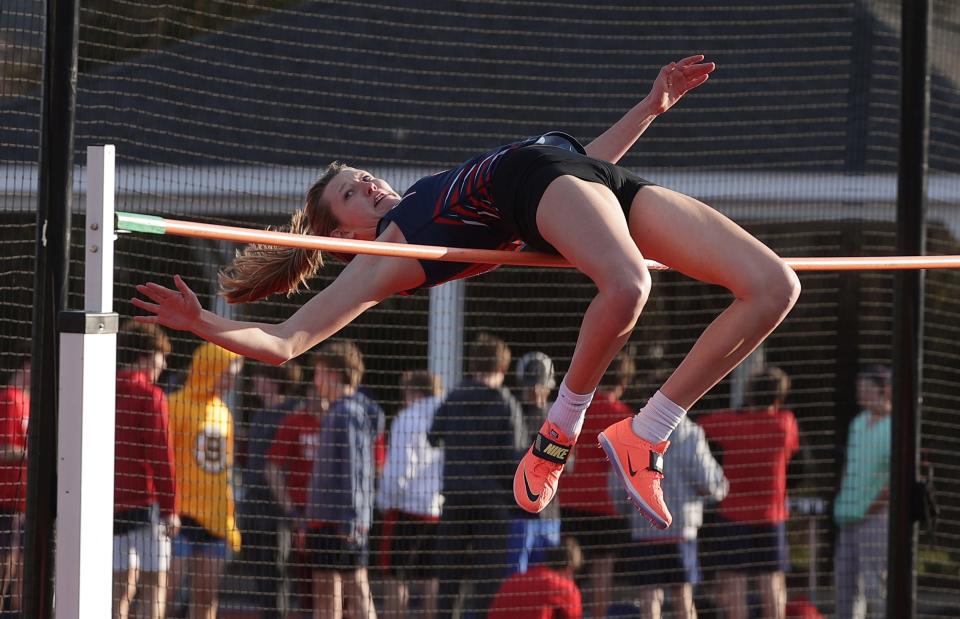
674 80
364 282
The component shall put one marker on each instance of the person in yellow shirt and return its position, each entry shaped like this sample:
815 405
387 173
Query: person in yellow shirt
201 428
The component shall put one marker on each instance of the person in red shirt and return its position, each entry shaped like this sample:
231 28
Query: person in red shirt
545 591
587 511
14 414
750 539
289 465
146 510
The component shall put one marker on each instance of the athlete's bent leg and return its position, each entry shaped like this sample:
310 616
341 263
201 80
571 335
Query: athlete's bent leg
585 223
690 237
696 240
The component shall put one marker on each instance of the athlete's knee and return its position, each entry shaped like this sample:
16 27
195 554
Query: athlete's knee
627 291
778 289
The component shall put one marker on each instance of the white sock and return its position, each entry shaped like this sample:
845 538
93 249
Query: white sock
657 419
569 410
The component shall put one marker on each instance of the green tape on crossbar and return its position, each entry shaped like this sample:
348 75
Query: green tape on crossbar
150 224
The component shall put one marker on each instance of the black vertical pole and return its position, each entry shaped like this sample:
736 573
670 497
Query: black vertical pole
49 298
908 309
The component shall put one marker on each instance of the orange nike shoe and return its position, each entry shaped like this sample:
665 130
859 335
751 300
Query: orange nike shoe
639 463
538 473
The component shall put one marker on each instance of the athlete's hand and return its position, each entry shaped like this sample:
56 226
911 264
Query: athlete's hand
676 78
177 309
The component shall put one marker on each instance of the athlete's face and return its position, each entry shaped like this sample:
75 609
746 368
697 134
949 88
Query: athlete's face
358 201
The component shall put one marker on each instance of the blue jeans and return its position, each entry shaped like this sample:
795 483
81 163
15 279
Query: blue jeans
528 542
860 569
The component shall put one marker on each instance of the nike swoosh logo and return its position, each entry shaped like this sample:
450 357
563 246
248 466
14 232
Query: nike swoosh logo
530 495
633 472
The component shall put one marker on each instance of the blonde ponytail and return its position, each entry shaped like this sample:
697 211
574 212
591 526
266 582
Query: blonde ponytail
261 270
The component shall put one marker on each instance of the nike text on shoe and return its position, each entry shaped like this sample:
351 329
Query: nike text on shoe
538 474
639 464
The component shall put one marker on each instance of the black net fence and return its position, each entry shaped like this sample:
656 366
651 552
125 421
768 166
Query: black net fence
21 53
225 112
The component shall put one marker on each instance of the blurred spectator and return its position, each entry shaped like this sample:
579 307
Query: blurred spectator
14 415
480 427
290 461
587 509
662 560
750 539
536 380
860 509
545 591
800 607
341 490
201 425
145 504
532 534
275 392
410 500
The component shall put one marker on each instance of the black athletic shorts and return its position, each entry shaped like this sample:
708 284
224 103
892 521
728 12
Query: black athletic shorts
11 529
332 551
408 545
757 548
659 564
523 175
598 535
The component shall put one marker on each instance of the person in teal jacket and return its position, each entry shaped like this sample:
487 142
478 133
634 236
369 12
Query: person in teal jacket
860 509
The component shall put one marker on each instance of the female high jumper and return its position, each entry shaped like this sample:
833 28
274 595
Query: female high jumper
548 193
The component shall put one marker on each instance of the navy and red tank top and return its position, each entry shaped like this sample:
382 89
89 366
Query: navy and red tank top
455 208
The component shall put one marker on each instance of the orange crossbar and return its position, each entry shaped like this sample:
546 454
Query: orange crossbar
158 225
